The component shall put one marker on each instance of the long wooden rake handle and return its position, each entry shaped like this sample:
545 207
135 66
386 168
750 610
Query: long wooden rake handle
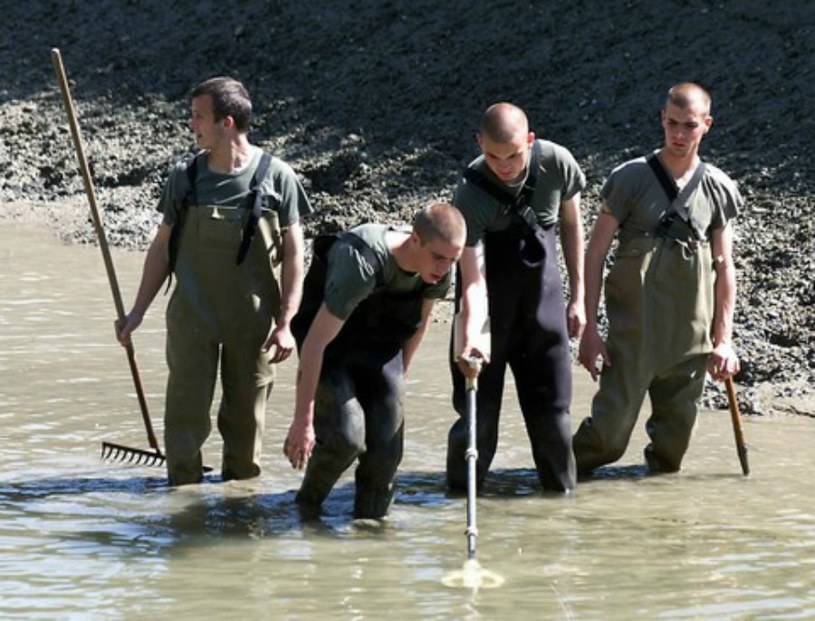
67 100
735 416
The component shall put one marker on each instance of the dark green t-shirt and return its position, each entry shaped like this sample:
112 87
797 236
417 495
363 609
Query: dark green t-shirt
351 278
559 178
637 201
280 187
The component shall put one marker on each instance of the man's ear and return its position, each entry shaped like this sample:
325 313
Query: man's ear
530 138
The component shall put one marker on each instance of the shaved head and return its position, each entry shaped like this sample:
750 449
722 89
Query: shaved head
689 95
440 221
502 122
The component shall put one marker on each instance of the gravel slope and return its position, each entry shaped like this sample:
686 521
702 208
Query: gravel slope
375 104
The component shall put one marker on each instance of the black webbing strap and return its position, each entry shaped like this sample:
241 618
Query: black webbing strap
520 204
668 184
190 198
673 193
255 204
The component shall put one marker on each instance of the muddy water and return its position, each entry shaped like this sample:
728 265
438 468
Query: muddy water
82 539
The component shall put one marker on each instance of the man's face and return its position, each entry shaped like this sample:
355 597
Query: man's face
684 128
507 160
203 124
436 258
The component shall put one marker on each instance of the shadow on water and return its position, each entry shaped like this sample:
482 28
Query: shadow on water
148 510
25 491
430 488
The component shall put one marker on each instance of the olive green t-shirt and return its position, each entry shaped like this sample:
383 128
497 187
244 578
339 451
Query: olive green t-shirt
351 278
637 200
280 189
559 178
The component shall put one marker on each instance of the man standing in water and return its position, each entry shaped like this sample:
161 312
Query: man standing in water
670 294
366 307
227 307
512 198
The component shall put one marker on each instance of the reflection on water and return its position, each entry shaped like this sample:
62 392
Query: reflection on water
83 539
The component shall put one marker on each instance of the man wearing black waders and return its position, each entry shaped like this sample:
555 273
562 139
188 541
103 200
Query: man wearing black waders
670 294
366 306
513 197
231 215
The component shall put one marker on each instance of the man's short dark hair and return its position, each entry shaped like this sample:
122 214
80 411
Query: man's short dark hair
229 98
442 221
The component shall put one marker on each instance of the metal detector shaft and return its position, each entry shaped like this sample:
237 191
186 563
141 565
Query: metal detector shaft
472 460
100 233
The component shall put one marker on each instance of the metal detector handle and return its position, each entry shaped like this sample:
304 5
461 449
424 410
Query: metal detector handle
67 100
474 363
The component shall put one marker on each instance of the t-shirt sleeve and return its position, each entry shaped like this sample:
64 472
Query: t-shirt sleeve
173 192
616 190
349 280
728 199
287 194
467 201
574 179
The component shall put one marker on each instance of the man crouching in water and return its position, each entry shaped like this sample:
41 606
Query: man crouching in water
366 304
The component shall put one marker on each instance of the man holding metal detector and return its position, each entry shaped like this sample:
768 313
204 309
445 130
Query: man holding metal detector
513 197
231 215
670 294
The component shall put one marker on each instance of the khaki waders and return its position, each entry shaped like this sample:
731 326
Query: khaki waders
659 297
219 313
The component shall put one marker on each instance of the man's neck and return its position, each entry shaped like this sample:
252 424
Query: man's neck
232 156
679 168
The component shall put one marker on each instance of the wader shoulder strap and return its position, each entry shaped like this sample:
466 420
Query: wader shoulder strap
314 281
254 204
190 198
361 246
519 204
672 192
668 184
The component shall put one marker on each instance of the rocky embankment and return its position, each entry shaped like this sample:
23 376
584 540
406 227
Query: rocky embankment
375 104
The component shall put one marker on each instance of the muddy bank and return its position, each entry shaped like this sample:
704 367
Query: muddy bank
375 105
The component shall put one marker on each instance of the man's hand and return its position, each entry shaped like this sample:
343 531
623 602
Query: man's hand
282 340
126 327
723 362
575 319
593 348
470 362
299 443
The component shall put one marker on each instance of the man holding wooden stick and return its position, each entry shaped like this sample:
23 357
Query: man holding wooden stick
670 294
231 215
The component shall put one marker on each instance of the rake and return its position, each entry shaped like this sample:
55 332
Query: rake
110 451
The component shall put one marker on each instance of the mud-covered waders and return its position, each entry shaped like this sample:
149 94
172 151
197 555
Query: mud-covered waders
659 297
528 325
220 312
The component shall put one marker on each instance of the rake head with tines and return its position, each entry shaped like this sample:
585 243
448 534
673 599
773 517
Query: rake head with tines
133 456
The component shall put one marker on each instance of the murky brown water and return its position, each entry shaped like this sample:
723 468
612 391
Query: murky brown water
82 539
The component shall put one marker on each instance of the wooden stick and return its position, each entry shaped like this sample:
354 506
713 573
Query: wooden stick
103 244
735 415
